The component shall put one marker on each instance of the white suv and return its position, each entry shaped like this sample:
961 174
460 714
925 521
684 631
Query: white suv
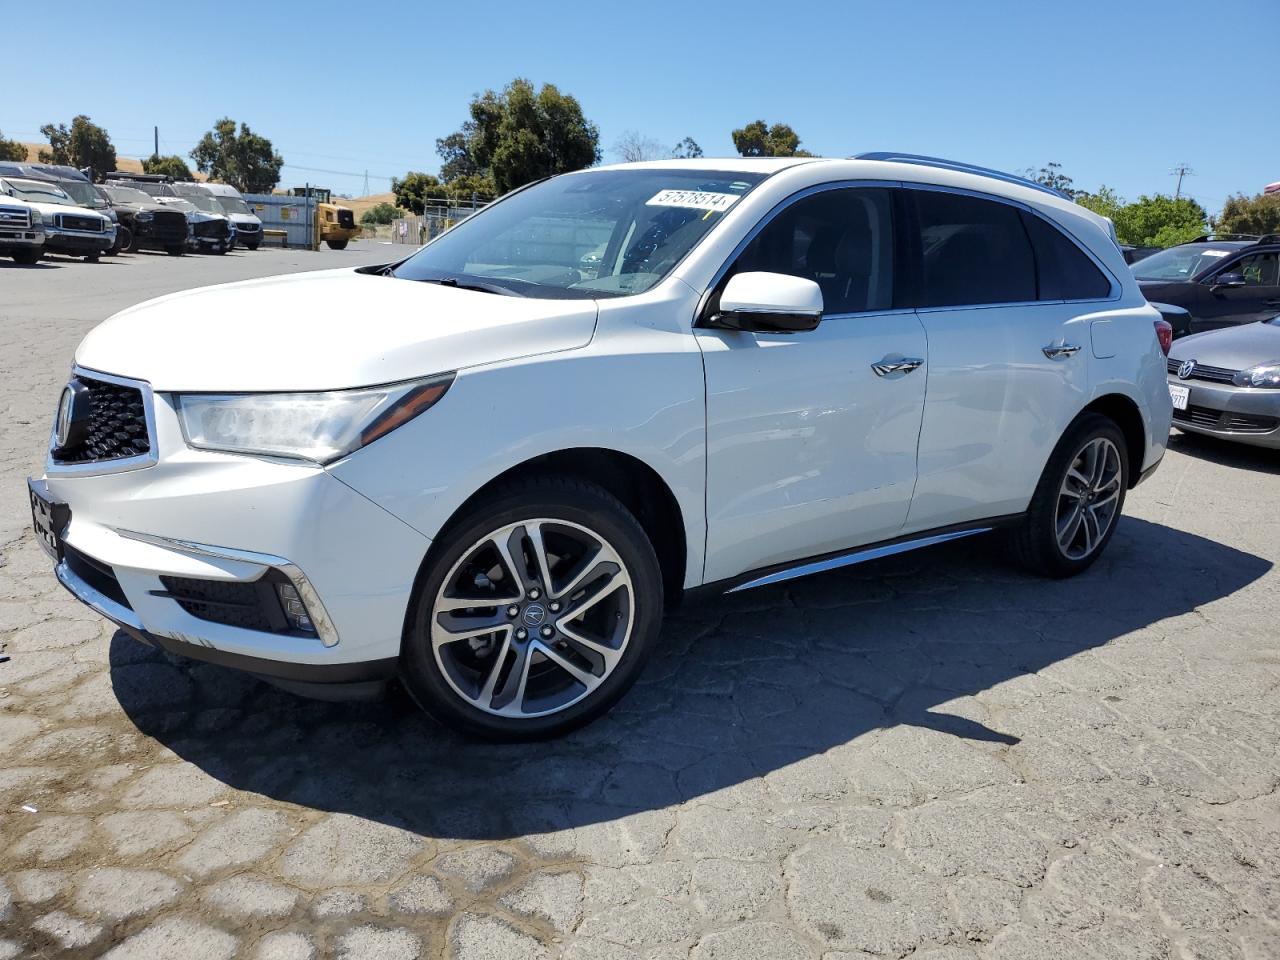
487 469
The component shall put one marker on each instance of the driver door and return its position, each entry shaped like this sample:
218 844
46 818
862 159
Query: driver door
809 449
1257 299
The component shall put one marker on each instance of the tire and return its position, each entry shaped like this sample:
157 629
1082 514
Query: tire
1036 543
175 250
220 249
586 533
92 257
124 240
251 246
28 257
337 244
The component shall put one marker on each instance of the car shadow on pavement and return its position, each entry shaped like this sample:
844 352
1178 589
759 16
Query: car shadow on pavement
1226 453
789 684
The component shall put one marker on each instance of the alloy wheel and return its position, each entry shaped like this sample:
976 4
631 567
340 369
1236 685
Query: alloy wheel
533 618
1089 498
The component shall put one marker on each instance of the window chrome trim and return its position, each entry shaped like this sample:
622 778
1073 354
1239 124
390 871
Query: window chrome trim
55 468
776 211
325 629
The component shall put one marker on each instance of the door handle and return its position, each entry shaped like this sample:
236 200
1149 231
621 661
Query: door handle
1060 351
904 365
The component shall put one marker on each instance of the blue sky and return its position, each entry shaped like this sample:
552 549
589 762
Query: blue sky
1118 92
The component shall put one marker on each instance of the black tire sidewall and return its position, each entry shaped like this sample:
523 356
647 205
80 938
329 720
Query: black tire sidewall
582 503
1043 515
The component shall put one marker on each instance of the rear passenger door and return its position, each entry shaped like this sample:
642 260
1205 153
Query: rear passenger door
1009 344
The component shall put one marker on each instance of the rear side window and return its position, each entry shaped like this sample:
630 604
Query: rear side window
1064 271
841 239
974 251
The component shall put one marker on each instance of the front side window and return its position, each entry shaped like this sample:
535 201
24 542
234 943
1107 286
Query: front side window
840 239
1258 269
974 251
604 233
1183 262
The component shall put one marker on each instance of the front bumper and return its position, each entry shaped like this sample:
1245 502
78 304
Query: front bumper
26 238
60 240
230 519
1242 414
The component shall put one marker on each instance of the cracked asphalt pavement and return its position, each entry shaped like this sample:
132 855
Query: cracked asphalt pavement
935 757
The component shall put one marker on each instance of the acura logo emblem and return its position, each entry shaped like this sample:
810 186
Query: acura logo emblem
534 614
1188 367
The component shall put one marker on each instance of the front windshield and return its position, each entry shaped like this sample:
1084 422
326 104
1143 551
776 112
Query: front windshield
205 203
126 195
38 191
233 205
603 233
184 205
1180 263
81 192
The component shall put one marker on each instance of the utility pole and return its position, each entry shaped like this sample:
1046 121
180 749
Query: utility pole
156 151
366 183
1180 171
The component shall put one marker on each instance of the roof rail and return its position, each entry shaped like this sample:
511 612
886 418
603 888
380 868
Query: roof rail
1210 237
1269 238
960 167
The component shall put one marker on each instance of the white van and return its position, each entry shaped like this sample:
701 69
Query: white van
248 226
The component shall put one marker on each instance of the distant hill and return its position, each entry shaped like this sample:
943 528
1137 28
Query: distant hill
123 164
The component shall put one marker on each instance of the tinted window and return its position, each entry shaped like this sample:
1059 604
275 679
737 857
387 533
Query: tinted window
840 239
975 251
1065 272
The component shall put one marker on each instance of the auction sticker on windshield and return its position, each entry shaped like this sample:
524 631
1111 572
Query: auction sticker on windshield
692 199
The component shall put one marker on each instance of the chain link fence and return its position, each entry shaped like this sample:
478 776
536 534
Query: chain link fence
437 217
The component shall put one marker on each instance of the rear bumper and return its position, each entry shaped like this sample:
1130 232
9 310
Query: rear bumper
1242 414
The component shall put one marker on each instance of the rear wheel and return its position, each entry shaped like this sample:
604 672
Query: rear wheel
535 613
337 244
1078 501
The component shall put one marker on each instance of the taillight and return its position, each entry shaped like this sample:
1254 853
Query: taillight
1164 333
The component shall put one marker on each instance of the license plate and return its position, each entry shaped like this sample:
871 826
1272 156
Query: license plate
48 519
1179 396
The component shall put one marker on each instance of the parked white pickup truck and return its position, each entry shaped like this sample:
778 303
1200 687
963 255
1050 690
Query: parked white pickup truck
21 231
68 229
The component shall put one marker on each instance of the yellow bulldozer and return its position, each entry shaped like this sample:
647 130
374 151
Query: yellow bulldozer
335 224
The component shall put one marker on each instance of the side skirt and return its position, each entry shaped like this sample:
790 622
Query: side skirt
779 573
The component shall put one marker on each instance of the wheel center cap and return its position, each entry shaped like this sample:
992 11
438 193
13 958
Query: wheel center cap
534 614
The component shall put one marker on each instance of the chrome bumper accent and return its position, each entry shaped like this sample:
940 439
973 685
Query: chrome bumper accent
96 600
315 607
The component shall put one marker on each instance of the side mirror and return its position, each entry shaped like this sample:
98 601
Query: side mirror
1228 280
768 303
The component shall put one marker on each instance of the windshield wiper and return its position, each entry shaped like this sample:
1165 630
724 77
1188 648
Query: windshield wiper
475 285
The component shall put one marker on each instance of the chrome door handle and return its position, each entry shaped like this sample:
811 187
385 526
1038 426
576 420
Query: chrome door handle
885 367
1060 351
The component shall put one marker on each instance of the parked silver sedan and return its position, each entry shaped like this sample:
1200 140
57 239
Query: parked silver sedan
1226 383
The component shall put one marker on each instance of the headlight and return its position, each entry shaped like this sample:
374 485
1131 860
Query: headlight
1263 375
145 215
321 427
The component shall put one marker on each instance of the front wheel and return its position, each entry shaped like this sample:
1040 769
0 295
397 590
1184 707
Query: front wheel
92 257
124 240
28 256
535 612
1077 503
252 246
337 244
175 250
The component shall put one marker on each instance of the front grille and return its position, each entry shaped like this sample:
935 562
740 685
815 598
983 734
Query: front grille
347 219
1205 372
71 221
249 606
1225 420
15 218
212 229
247 227
115 425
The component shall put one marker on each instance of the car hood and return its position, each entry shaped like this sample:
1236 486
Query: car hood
143 207
1234 348
248 218
325 330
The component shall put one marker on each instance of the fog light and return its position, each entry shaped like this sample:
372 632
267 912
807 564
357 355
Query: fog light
295 611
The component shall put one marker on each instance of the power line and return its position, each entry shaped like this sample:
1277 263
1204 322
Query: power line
1180 171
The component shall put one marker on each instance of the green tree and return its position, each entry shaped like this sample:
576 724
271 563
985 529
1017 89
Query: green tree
686 149
757 139
171 166
415 189
12 150
1104 201
245 160
520 135
1159 221
85 144
1241 214
1051 176
381 213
